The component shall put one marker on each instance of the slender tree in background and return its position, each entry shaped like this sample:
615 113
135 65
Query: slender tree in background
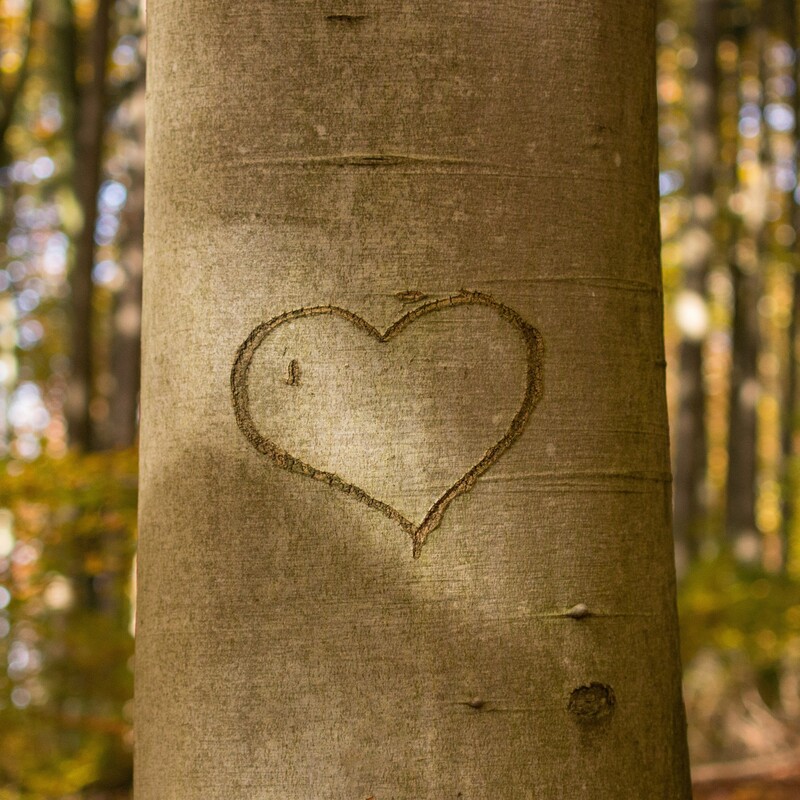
791 398
10 100
89 131
12 93
364 220
123 421
741 484
747 257
690 430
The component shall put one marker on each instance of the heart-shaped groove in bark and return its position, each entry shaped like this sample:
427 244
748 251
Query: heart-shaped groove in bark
418 533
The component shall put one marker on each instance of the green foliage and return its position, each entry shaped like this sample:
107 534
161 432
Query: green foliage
65 699
744 614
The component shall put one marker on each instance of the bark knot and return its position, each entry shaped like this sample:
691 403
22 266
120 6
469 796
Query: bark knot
592 703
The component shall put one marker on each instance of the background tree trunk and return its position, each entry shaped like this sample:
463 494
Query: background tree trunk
690 434
123 419
369 159
790 420
89 129
741 483
747 259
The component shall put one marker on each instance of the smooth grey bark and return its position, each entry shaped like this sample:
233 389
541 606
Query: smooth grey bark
363 220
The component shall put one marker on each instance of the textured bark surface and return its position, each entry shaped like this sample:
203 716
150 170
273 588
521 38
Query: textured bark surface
375 157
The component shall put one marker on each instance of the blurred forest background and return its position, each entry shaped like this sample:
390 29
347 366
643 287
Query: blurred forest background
71 207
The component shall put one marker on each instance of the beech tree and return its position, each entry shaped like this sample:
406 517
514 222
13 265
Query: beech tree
405 496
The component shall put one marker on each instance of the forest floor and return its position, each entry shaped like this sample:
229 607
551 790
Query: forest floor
772 783
750 790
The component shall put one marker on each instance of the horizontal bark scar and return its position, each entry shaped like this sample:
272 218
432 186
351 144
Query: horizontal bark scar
345 17
411 296
419 533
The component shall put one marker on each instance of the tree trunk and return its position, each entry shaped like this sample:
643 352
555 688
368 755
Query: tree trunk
746 265
790 411
402 298
11 97
123 418
741 483
89 129
690 434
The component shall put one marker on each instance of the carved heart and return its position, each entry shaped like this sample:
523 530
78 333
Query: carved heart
293 378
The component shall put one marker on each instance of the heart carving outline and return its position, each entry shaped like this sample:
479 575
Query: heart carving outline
282 458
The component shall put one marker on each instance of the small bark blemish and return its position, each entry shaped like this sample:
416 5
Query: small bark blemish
579 611
592 703
371 160
293 378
